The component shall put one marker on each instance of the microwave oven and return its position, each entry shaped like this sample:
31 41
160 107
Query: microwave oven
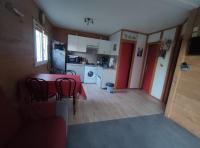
74 59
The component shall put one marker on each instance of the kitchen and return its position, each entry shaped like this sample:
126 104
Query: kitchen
119 58
93 59
149 50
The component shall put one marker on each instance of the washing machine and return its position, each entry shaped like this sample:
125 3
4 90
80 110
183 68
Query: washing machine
90 75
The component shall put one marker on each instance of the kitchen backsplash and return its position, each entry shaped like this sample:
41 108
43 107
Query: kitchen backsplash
93 58
90 55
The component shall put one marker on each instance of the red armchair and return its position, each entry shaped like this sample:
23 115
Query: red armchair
39 125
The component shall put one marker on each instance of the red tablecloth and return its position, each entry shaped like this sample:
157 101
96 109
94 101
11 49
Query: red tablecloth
51 78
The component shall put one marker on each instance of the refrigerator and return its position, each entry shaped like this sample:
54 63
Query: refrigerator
58 58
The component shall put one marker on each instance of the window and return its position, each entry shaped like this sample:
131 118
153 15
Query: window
41 44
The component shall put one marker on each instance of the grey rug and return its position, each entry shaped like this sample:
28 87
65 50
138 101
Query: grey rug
153 131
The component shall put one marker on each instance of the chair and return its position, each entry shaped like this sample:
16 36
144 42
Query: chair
36 125
38 89
66 88
72 72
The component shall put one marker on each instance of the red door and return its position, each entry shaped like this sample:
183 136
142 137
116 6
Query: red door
150 66
125 59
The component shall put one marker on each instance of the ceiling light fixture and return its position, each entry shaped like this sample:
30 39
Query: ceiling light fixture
88 21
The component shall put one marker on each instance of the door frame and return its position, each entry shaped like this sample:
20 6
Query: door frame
132 60
172 65
145 67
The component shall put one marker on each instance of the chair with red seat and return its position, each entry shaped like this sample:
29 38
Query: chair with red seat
38 89
72 72
66 87
36 125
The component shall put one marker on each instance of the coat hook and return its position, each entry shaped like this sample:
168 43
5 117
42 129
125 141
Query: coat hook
10 7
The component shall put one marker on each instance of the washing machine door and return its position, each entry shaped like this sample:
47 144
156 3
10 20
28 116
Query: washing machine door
90 74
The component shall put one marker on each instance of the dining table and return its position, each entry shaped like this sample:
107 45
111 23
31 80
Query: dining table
51 78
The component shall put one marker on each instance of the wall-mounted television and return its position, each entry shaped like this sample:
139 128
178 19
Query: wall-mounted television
194 46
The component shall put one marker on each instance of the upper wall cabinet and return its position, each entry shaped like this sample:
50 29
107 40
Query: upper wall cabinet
72 42
93 42
105 47
82 44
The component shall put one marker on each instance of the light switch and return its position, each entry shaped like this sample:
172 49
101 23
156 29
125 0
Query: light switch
185 67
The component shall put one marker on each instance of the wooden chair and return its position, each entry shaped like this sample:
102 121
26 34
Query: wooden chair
66 88
72 72
38 89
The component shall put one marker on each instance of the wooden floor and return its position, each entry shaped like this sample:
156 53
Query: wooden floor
101 105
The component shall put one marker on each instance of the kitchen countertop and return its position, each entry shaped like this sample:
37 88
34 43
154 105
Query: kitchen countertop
91 65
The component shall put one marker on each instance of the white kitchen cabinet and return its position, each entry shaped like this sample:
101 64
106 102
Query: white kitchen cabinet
108 76
82 44
100 50
92 42
78 68
104 47
105 75
72 42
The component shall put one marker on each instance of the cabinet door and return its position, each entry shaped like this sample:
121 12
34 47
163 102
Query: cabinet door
72 42
82 44
78 68
109 75
104 47
101 49
92 42
107 47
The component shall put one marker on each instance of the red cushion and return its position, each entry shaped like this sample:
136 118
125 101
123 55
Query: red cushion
38 111
10 121
49 133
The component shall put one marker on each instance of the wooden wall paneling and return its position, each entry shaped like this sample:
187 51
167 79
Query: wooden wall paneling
184 98
181 58
17 45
